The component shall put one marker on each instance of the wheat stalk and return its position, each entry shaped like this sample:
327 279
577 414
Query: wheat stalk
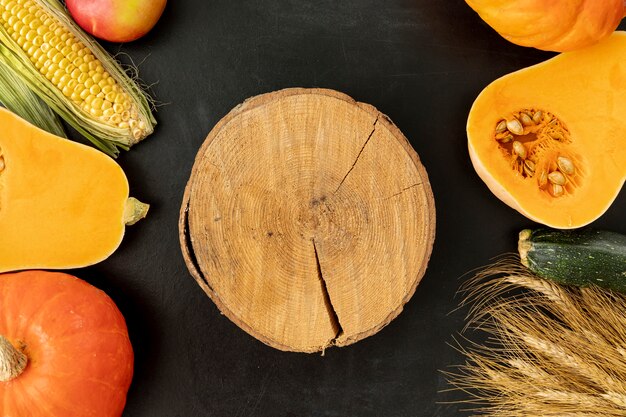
550 350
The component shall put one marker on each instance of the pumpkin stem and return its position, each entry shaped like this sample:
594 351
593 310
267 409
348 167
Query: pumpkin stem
134 211
12 361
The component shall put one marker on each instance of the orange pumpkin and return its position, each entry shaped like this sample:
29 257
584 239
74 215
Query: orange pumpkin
64 348
557 25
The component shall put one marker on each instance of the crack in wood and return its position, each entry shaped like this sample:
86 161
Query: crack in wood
334 318
403 190
190 250
359 154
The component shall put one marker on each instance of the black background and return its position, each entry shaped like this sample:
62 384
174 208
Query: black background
422 62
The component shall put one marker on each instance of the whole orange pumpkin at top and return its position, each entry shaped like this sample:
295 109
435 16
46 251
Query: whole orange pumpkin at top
556 25
64 348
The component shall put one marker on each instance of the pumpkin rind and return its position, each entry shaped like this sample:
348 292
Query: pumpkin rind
80 360
561 25
585 90
61 203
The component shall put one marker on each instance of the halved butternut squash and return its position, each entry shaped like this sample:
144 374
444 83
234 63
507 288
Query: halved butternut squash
62 204
550 140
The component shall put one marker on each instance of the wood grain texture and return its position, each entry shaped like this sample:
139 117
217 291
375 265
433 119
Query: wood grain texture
308 219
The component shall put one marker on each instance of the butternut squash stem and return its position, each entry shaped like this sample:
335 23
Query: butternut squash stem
134 211
12 361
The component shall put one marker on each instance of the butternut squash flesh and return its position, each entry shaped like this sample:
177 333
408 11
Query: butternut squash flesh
566 167
62 204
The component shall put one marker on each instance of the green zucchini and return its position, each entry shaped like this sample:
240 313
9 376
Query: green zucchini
576 257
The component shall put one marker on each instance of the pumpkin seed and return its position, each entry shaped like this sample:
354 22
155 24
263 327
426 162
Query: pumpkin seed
526 119
529 167
519 149
566 166
506 139
556 135
537 117
515 126
557 177
2 164
543 179
501 126
557 190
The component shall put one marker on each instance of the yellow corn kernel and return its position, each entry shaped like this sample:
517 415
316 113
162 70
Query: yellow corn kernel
54 41
64 79
51 67
94 89
36 54
47 36
96 103
30 34
82 77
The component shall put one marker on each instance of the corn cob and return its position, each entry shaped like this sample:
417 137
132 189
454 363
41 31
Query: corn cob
73 74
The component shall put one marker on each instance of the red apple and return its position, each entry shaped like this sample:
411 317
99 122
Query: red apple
116 20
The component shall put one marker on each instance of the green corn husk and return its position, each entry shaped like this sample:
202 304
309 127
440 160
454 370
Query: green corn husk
17 97
106 137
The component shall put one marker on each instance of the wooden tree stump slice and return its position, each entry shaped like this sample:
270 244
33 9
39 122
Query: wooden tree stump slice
308 219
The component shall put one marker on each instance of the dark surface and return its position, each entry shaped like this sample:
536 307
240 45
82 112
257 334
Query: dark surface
421 62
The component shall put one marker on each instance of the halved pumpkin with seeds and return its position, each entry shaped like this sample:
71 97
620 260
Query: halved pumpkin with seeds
550 140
